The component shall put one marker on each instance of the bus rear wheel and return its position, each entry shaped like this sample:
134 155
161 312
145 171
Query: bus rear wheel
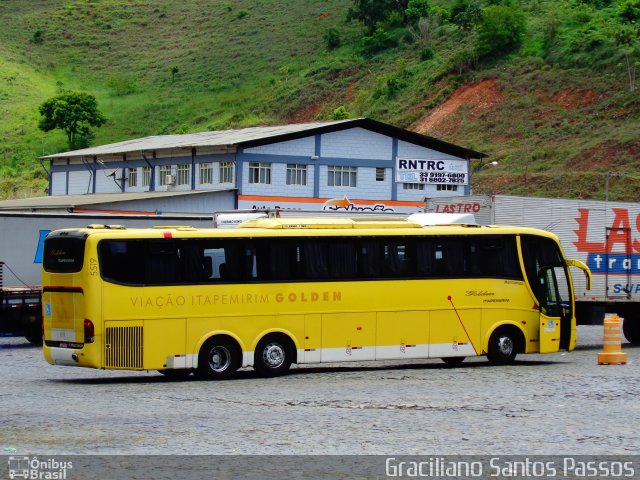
273 355
503 347
218 359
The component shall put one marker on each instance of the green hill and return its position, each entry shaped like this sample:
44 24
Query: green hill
558 111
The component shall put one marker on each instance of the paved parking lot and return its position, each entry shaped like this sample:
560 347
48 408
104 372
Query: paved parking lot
544 404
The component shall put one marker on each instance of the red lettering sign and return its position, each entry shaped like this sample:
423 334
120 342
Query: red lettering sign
458 208
619 234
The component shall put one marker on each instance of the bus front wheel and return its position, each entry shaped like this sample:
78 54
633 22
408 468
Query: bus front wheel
503 346
218 359
273 356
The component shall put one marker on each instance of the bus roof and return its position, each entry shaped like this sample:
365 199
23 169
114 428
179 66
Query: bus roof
266 227
328 223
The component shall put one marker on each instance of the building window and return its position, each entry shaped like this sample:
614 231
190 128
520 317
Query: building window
165 175
380 174
341 176
296 174
206 173
413 186
259 172
133 177
183 174
446 188
146 176
226 172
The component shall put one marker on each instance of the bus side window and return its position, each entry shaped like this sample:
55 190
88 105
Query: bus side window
207 265
213 258
370 257
162 263
121 261
274 259
231 268
425 257
239 261
393 265
314 258
449 257
193 262
342 258
399 257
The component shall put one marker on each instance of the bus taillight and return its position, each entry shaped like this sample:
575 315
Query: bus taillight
88 331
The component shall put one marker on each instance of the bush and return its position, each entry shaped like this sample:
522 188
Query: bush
426 54
38 37
340 113
377 42
332 38
464 61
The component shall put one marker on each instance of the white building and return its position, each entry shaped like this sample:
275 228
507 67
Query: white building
355 164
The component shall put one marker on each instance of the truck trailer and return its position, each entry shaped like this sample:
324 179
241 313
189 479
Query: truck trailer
604 235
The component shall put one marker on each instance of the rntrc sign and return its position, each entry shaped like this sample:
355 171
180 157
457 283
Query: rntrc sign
412 170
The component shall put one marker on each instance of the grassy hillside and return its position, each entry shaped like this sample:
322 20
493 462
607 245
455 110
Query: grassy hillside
557 113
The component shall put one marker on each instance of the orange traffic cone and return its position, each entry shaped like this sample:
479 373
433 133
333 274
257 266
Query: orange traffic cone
612 346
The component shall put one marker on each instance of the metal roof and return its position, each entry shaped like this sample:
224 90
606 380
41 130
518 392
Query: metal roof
219 138
253 136
75 201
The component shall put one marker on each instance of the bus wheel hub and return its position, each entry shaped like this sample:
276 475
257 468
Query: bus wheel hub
505 345
220 359
273 355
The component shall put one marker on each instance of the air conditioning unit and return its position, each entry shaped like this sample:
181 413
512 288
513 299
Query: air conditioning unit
169 179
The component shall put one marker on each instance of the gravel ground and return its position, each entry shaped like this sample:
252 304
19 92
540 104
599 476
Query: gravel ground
560 403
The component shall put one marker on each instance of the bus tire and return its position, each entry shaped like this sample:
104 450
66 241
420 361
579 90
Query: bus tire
218 359
503 346
631 329
273 355
452 361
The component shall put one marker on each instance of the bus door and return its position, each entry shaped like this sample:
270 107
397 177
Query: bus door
555 309
550 283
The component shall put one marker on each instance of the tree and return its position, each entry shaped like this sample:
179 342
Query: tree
416 9
626 38
501 30
74 113
629 11
466 14
372 12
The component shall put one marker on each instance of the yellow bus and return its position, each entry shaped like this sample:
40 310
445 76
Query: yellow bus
278 291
